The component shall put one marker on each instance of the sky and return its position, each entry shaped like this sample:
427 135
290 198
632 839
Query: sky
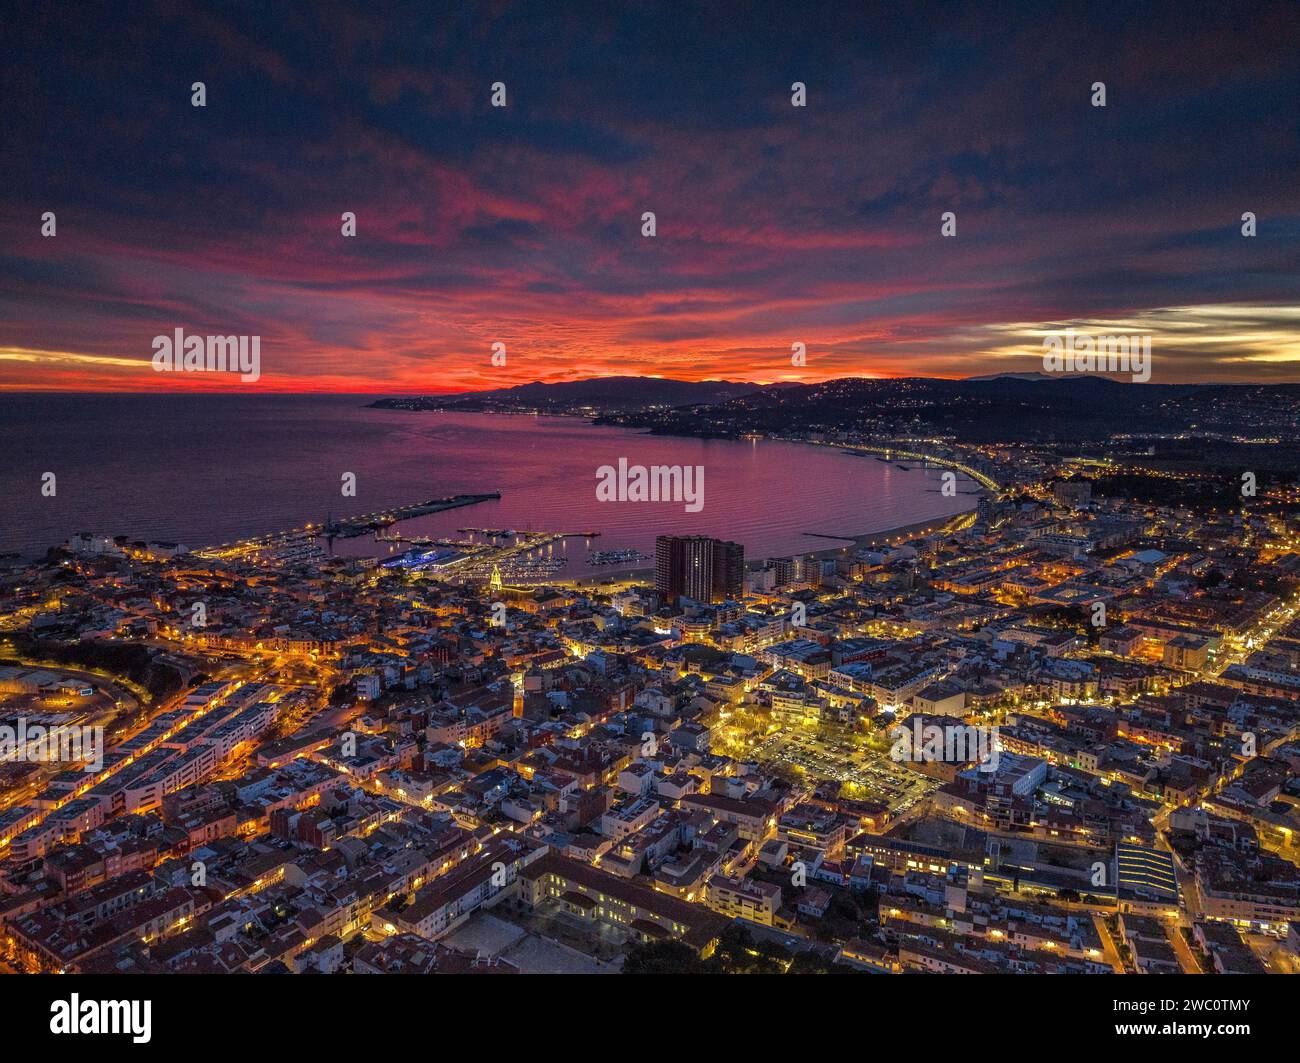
522 225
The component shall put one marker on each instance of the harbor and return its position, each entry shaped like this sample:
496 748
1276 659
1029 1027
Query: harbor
351 527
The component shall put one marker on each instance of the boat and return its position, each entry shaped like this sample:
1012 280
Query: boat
615 557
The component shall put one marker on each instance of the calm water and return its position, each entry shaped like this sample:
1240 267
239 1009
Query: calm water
208 469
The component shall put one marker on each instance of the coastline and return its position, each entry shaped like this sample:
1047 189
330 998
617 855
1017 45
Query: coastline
851 544
203 523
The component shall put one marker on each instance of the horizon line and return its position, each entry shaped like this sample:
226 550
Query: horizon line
431 392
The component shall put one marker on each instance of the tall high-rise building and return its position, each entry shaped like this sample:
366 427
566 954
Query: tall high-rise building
684 566
728 570
695 566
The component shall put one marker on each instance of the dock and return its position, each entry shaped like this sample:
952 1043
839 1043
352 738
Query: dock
351 527
511 533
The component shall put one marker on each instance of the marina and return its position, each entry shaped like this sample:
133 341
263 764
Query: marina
615 557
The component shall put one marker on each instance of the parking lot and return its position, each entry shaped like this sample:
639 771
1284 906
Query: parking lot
872 775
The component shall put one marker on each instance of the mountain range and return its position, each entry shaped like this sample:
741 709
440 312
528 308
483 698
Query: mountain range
1012 407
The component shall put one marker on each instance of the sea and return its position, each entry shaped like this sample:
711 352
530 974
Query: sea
209 469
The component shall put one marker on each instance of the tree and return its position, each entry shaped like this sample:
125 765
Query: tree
808 962
738 953
663 957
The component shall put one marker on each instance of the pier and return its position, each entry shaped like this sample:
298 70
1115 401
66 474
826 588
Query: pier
351 527
511 533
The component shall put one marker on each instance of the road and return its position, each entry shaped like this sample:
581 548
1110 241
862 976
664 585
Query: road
1186 958
1108 946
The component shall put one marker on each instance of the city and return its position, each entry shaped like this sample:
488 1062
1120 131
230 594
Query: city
328 763
640 490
